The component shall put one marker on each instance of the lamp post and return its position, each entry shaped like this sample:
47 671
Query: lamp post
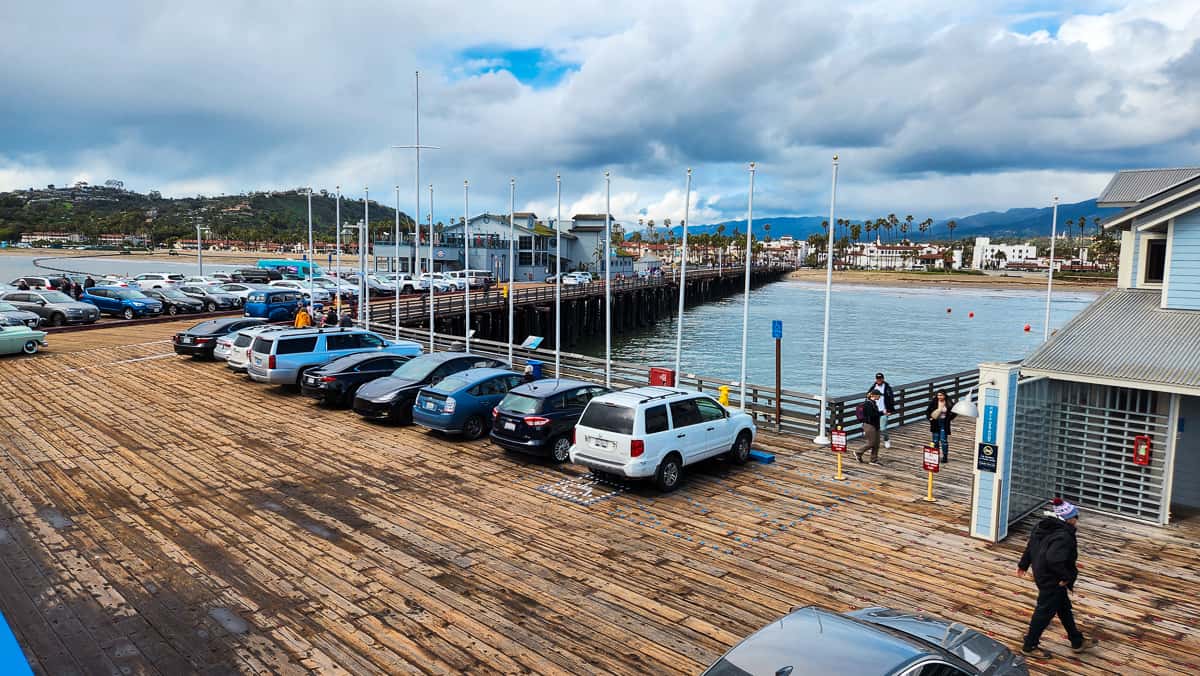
1050 272
431 289
200 229
310 248
558 277
467 264
746 291
822 438
396 270
512 229
364 292
607 280
682 277
337 233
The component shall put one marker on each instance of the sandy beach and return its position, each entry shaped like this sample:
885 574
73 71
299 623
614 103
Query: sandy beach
933 279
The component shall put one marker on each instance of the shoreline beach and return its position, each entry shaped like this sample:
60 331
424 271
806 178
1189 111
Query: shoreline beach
926 279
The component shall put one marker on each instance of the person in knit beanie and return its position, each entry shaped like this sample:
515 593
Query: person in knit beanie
1052 552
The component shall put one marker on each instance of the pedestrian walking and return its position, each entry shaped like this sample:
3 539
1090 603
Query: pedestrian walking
302 320
887 406
347 320
1052 552
88 283
870 423
940 413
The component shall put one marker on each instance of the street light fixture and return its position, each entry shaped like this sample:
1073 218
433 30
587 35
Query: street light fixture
200 230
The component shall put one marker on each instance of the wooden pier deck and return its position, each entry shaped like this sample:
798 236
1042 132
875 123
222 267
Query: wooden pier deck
160 515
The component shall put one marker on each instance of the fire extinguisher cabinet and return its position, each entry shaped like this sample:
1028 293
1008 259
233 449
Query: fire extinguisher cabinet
661 376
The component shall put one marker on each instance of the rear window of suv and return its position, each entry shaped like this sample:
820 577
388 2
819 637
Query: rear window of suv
608 417
262 345
520 403
296 345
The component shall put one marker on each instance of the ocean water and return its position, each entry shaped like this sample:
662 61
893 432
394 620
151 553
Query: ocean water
908 333
19 265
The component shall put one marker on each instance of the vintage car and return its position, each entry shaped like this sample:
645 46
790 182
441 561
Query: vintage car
14 339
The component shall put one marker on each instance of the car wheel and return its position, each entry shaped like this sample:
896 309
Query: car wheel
128 313
211 307
173 310
473 428
58 319
560 449
740 452
670 470
30 347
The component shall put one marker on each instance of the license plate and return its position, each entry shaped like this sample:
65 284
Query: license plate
311 380
600 443
188 339
258 361
510 426
430 405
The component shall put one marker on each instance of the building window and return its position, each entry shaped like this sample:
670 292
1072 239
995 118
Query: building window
525 258
1156 260
525 243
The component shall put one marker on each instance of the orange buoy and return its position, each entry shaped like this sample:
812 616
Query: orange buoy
971 314
1027 328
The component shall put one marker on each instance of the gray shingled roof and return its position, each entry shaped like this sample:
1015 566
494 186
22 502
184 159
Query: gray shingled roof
1130 186
1125 336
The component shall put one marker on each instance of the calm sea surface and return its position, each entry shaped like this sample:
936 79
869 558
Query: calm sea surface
905 332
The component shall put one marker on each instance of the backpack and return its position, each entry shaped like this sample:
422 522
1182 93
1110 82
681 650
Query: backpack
860 413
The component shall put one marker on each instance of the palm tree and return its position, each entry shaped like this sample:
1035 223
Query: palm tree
907 223
951 225
892 222
925 226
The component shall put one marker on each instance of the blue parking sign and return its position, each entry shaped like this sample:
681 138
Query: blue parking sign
777 328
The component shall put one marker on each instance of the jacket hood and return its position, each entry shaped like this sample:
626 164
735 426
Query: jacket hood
1052 523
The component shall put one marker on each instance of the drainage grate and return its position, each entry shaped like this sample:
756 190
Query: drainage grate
584 490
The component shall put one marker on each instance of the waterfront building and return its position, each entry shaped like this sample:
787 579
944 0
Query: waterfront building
52 237
904 256
999 256
1106 412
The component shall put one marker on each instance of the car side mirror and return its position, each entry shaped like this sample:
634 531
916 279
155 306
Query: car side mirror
41 301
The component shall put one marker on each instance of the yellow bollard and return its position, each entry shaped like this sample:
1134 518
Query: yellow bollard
724 396
504 290
840 476
929 492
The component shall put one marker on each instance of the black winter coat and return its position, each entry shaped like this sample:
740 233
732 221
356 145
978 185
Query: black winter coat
1052 552
888 398
950 415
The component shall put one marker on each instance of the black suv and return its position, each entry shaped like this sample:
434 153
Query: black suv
255 275
539 417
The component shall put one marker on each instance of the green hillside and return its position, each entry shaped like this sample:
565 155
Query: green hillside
262 216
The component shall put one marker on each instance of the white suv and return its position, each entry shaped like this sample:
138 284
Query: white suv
657 431
158 280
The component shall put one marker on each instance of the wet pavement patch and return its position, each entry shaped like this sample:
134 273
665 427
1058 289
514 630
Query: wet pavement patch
55 518
229 620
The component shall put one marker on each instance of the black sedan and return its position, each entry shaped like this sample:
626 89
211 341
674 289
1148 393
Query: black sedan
174 301
201 339
211 297
392 397
539 417
336 383
871 641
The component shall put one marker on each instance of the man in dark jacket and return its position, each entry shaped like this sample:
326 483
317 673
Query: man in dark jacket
870 423
1052 552
887 406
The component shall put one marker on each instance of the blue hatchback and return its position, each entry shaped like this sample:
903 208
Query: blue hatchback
276 305
462 403
122 301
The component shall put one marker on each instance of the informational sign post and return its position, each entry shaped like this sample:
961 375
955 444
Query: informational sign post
985 460
931 462
777 334
837 443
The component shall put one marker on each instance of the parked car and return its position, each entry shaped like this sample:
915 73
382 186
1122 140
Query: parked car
254 275
157 280
657 431
871 641
37 283
273 304
462 403
238 357
404 280
376 285
340 287
11 315
314 295
122 302
283 358
478 279
54 307
209 280
21 340
336 383
175 302
539 417
212 298
201 339
577 278
392 397
439 281
240 290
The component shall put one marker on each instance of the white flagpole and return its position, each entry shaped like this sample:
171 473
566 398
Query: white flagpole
682 278
364 291
823 438
310 251
431 298
396 267
337 230
1050 273
467 262
746 291
512 292
607 280
558 277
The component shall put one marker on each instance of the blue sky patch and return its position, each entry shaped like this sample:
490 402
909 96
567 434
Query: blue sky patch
1031 25
534 67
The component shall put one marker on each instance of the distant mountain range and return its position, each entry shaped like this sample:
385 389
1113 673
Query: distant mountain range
1014 223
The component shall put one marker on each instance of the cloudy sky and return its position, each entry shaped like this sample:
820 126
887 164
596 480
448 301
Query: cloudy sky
936 107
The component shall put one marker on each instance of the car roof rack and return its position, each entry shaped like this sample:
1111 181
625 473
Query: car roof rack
669 392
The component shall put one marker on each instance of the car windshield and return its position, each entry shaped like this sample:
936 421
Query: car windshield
57 297
416 369
520 403
608 417
453 383
257 298
130 294
177 295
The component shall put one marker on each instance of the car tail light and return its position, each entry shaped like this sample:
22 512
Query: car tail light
271 362
636 448
535 420
328 379
495 412
204 340
572 436
450 405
